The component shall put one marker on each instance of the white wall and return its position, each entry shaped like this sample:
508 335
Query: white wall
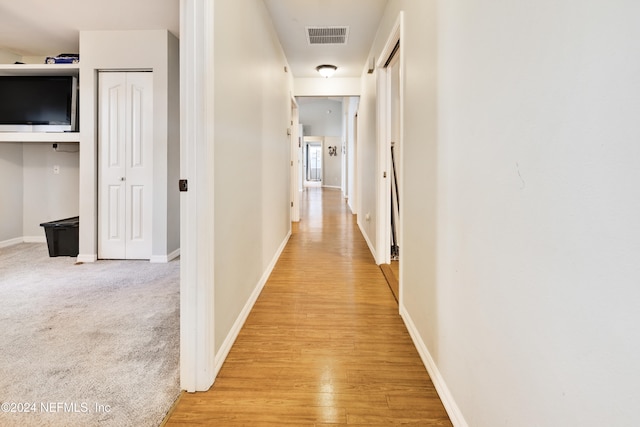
332 165
367 157
155 50
252 152
520 245
539 271
48 196
321 116
334 86
7 57
33 59
11 205
32 193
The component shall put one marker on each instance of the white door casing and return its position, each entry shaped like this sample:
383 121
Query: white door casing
384 131
295 161
198 361
394 139
125 165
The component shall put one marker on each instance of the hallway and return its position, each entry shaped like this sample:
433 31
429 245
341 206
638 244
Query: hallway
324 343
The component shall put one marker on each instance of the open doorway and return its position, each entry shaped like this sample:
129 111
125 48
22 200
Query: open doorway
328 143
393 78
313 162
390 88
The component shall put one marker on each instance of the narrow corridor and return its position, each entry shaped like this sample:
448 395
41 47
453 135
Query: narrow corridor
324 344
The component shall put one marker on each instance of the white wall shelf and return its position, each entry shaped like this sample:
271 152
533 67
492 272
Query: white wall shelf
39 69
39 136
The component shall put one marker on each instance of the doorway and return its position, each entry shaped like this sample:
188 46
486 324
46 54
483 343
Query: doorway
393 76
314 162
390 136
296 173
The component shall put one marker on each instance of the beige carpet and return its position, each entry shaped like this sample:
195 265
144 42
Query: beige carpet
93 344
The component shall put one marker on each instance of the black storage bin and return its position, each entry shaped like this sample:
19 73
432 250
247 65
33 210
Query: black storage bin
62 236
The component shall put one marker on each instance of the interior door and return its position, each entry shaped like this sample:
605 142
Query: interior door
125 165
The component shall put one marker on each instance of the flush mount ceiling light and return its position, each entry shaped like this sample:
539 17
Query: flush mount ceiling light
326 70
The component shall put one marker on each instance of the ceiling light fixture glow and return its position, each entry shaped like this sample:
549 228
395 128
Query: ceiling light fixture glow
326 70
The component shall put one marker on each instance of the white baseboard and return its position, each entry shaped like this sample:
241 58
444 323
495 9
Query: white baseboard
366 239
353 211
87 258
441 387
34 239
11 242
24 239
242 317
165 258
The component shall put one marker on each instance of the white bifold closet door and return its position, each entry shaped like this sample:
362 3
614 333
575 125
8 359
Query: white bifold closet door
125 156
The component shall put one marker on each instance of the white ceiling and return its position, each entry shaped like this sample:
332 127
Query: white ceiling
291 17
50 27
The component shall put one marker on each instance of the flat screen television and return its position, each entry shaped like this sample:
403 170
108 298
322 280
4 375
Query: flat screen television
38 103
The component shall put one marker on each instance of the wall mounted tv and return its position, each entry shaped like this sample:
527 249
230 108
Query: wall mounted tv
38 103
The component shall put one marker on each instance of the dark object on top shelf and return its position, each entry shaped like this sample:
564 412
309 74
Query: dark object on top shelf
63 58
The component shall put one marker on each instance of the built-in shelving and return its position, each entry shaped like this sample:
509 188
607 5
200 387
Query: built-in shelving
39 136
39 70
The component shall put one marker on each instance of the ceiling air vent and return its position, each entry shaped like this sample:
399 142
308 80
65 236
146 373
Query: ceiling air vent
327 35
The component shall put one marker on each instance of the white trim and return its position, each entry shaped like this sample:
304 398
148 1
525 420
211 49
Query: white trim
296 149
87 258
400 161
336 187
224 349
383 224
197 353
382 253
67 137
34 239
11 242
438 381
366 239
357 196
165 258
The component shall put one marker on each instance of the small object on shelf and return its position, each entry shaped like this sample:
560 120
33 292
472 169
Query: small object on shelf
63 58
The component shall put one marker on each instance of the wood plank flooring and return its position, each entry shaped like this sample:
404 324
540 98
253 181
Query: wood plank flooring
392 274
324 344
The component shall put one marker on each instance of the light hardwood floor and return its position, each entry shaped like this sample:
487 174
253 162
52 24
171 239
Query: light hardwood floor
324 344
392 274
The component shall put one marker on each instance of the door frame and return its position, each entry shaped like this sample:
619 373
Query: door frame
315 141
354 196
383 226
198 364
296 150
